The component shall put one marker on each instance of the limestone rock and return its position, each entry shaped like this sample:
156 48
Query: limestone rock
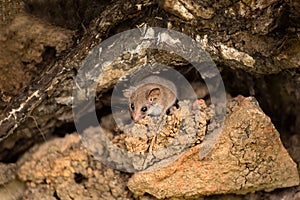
248 157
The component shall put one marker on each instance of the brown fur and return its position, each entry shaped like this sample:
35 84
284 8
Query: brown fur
155 93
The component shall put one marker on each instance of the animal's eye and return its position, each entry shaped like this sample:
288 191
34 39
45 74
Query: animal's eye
144 109
132 106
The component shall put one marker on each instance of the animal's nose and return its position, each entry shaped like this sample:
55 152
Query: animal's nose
136 117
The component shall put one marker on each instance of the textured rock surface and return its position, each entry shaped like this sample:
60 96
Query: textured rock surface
10 187
62 168
7 172
248 157
8 11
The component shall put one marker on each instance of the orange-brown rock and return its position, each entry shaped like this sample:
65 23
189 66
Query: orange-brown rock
248 157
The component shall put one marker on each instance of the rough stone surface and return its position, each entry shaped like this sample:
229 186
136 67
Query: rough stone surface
7 172
10 187
12 190
9 8
248 157
62 168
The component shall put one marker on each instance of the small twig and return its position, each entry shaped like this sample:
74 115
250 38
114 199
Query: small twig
37 126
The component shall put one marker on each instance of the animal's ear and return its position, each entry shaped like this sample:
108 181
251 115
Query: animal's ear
128 92
153 95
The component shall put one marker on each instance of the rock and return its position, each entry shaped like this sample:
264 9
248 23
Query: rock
248 157
188 10
62 168
7 172
9 9
24 43
12 190
10 187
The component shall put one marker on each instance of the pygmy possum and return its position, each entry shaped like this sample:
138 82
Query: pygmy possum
152 96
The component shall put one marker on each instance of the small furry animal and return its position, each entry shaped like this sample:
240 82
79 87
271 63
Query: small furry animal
153 95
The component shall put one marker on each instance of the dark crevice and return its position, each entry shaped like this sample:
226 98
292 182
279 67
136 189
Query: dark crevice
79 178
55 195
64 129
48 54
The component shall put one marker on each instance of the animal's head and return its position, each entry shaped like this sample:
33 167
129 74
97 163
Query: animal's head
141 99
